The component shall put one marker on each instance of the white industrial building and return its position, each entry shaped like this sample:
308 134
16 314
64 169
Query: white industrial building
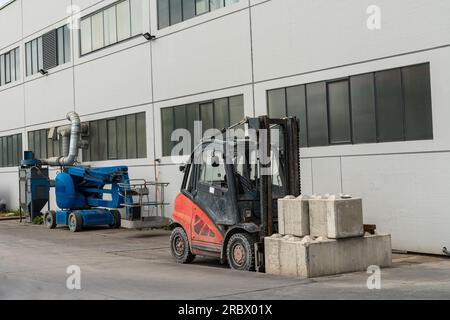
373 101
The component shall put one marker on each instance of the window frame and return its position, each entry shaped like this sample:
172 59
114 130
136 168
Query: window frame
353 139
196 13
103 9
87 155
8 66
11 150
187 126
7 3
32 53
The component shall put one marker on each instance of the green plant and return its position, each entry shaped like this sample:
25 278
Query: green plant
13 213
38 220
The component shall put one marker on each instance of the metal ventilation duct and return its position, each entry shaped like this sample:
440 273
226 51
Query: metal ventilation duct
69 146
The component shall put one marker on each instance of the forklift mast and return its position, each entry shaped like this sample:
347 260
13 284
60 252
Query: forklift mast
289 162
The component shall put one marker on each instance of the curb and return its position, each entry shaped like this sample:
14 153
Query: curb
9 218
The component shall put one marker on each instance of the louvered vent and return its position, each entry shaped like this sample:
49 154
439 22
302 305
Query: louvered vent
49 50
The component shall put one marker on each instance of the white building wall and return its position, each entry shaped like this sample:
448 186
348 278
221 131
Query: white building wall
249 48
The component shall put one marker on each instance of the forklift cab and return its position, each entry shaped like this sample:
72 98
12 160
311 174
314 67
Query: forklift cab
228 198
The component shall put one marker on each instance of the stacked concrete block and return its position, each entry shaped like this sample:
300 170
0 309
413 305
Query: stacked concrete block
323 235
336 217
313 257
293 216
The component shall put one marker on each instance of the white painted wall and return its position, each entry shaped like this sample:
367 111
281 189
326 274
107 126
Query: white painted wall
242 50
10 16
297 36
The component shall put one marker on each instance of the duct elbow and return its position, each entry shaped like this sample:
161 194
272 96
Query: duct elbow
75 131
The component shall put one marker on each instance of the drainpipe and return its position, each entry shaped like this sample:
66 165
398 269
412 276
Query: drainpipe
70 150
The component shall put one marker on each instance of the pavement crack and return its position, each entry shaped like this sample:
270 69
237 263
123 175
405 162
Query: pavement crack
302 283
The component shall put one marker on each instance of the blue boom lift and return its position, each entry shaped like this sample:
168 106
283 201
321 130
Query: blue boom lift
84 200
85 196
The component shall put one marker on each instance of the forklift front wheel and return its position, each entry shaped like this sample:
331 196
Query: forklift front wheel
240 252
75 222
50 219
117 219
179 246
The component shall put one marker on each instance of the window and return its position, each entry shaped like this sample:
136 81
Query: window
48 51
113 24
316 99
97 31
383 106
417 95
219 114
171 12
389 105
110 27
176 14
117 138
363 108
4 3
42 146
201 6
10 150
339 112
213 175
9 67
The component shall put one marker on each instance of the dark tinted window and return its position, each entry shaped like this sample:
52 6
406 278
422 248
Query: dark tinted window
141 135
103 143
316 97
167 120
131 137
163 14
176 14
122 137
207 115
174 11
10 150
217 114
389 105
188 9
221 113
363 108
339 112
236 109
277 103
296 107
417 94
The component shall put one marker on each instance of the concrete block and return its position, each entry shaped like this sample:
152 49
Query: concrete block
272 254
349 255
336 217
314 257
293 216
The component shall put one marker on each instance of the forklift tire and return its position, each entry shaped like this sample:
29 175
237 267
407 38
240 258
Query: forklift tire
241 252
179 246
50 219
75 222
117 219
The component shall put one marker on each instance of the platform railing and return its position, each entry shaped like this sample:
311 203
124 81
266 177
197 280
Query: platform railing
143 199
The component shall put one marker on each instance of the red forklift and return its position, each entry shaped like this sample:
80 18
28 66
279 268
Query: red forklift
231 184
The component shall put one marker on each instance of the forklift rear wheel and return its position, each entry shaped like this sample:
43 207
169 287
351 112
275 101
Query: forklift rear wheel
179 246
50 219
75 222
240 252
117 219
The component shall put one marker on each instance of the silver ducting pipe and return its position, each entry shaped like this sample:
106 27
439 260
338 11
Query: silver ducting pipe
69 150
